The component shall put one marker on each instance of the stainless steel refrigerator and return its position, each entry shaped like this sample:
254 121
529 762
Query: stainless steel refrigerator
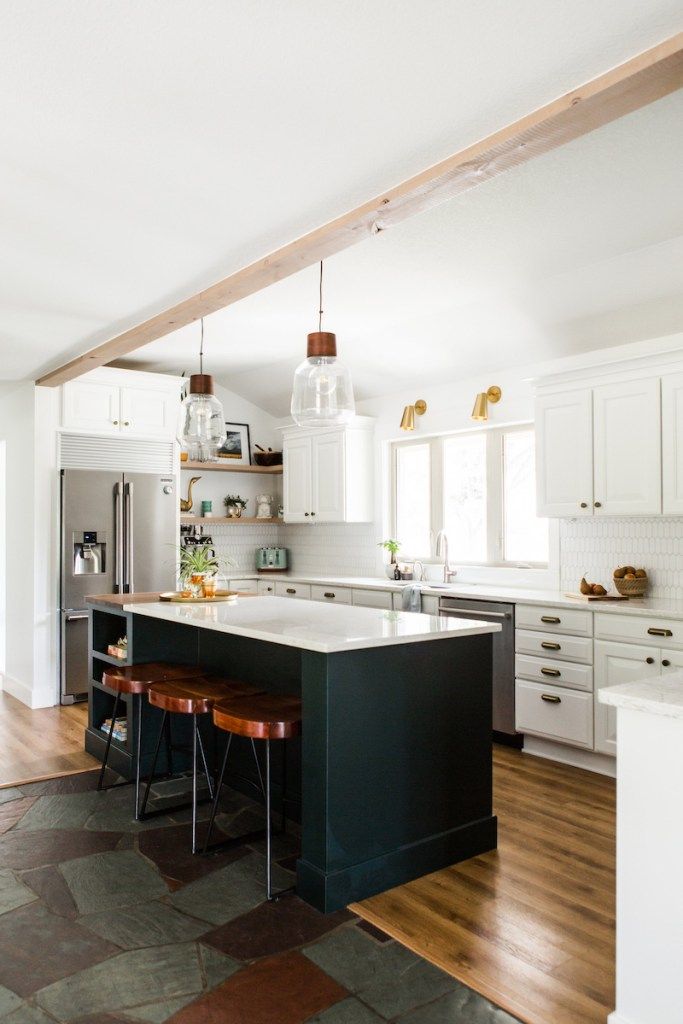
118 535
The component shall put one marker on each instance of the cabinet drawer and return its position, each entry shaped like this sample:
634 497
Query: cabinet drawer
555 713
551 672
554 645
372 598
246 586
293 590
573 621
652 630
266 588
332 595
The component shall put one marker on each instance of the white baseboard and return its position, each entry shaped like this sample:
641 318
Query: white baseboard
17 689
603 764
618 1018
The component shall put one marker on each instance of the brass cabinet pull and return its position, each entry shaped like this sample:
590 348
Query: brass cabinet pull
551 672
551 698
597 504
650 661
291 590
329 593
312 513
665 662
550 646
653 631
550 618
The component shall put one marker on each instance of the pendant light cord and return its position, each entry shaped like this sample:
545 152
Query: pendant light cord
320 303
201 349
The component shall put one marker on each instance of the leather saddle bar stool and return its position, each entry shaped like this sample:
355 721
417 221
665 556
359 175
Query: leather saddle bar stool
264 717
194 697
136 681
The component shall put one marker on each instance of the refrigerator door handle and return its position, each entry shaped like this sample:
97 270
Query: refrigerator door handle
72 618
118 540
128 581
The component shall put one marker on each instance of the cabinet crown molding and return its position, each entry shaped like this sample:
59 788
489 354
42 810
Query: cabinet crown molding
131 378
657 364
357 423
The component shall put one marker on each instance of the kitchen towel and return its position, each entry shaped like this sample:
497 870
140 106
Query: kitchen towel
411 599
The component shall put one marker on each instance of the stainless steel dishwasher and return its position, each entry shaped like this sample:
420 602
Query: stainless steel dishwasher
503 659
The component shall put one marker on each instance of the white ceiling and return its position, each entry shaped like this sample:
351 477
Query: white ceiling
148 147
577 250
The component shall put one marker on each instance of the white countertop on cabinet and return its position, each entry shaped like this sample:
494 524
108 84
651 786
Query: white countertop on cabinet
660 696
484 592
313 626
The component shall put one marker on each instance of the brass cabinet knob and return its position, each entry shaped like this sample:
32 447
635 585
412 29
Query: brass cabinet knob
126 423
115 422
598 504
651 661
312 513
665 662
307 513
584 504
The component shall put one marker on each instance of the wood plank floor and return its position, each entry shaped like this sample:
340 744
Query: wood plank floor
41 744
531 925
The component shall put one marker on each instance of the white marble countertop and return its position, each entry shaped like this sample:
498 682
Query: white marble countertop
313 626
482 592
660 696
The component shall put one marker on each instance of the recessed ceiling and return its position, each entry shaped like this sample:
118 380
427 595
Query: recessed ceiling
576 250
149 149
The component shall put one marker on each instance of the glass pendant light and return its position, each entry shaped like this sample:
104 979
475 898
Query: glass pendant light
322 394
202 426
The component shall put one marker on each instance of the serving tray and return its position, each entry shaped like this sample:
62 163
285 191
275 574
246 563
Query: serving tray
220 596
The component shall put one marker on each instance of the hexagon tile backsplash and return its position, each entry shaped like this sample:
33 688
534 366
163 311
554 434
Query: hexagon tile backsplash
595 547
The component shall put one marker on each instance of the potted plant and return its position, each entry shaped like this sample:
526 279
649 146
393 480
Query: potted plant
392 546
235 505
197 564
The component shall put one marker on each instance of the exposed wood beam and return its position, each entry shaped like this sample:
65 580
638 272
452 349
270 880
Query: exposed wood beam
641 80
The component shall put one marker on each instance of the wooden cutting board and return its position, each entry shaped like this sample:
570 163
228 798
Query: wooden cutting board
597 597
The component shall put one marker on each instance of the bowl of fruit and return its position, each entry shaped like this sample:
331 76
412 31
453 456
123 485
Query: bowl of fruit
630 582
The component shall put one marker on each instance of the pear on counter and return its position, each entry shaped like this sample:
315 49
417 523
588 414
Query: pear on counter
585 587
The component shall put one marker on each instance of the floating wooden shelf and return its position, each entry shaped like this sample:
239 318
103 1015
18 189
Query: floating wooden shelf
225 467
207 520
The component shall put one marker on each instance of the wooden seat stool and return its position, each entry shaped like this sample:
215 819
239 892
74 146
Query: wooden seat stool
136 681
264 717
194 697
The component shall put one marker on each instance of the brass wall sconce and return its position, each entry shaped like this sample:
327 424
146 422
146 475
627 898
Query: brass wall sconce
410 412
481 402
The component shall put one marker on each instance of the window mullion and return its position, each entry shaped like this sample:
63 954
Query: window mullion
436 519
494 497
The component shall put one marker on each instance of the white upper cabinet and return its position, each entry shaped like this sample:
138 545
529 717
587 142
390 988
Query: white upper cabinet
564 454
627 469
599 450
328 474
672 444
113 401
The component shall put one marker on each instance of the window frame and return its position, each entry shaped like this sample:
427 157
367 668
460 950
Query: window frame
495 511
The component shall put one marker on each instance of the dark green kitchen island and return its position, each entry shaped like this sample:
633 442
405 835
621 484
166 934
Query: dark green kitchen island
392 778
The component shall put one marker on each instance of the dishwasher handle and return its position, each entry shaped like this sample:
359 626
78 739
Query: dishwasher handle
467 613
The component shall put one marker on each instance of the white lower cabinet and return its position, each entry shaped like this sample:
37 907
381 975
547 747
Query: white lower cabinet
559 673
331 595
372 598
614 664
555 713
245 586
301 590
266 588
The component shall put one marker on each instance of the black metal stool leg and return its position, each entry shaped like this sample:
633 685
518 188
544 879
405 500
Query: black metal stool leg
269 829
108 746
258 768
169 748
206 767
195 734
141 813
138 755
217 794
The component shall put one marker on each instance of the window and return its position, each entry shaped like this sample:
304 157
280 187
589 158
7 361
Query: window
480 488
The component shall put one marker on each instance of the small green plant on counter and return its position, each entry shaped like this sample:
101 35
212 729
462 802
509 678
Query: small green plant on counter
235 501
197 558
392 546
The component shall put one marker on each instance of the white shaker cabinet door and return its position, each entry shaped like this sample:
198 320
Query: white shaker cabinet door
564 454
615 664
150 412
296 481
672 444
328 478
91 406
627 448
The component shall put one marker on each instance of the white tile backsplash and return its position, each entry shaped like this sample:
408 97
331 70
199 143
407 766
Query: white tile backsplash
335 549
239 543
594 547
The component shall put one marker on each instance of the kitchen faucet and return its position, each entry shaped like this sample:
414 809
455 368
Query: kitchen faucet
442 548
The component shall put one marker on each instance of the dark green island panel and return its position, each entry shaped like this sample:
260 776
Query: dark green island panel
392 778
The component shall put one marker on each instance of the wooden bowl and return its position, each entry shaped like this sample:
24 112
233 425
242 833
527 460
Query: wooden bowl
632 588
268 458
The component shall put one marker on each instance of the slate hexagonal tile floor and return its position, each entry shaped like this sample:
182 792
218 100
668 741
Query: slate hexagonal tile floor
107 921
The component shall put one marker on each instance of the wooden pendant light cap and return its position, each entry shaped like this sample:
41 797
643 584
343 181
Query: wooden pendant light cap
201 384
322 343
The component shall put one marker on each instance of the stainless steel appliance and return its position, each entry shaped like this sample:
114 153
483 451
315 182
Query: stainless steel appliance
503 659
118 534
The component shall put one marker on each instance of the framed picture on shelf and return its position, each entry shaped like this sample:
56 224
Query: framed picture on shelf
237 444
